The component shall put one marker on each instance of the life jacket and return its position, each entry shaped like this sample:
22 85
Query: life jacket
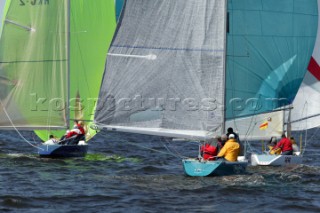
70 134
230 150
285 145
81 129
276 151
208 151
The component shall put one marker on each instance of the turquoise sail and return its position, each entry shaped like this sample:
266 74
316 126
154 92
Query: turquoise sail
269 45
119 6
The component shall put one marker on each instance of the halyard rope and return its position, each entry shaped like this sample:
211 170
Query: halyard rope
28 142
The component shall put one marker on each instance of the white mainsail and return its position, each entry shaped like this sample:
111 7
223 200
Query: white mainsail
180 88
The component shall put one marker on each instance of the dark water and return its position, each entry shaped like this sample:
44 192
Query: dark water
123 173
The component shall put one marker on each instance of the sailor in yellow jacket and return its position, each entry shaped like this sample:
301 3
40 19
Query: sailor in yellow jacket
230 150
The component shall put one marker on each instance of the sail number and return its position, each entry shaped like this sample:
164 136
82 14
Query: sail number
287 159
34 2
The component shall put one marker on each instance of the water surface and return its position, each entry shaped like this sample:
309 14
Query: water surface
136 173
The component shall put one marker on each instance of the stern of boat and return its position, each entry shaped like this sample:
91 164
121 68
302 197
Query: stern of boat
201 168
274 160
63 151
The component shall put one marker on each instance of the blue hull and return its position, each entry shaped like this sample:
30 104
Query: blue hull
63 151
194 167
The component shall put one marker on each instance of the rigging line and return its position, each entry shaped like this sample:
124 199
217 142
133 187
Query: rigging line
305 142
144 147
253 122
155 150
178 155
33 137
305 118
181 156
5 111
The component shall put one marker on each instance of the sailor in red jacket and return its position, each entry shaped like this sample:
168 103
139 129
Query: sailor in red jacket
77 129
208 151
80 127
285 145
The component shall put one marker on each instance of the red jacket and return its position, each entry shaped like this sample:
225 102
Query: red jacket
285 145
71 133
208 151
81 129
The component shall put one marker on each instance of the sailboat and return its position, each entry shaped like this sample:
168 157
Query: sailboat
51 57
301 112
305 112
174 67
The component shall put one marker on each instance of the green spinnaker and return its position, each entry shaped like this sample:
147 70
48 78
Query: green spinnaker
33 66
92 26
50 52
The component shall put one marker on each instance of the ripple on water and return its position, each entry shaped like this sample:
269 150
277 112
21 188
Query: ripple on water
16 202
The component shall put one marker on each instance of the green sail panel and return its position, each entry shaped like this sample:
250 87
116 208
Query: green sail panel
33 65
269 45
92 25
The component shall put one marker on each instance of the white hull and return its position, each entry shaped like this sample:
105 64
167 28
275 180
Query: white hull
275 160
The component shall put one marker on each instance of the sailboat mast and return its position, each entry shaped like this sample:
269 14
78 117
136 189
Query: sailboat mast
224 68
289 123
68 70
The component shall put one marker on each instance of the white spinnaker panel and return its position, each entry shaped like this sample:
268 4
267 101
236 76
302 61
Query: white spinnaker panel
306 106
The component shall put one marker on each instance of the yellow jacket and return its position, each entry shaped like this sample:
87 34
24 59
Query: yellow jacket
230 150
274 152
